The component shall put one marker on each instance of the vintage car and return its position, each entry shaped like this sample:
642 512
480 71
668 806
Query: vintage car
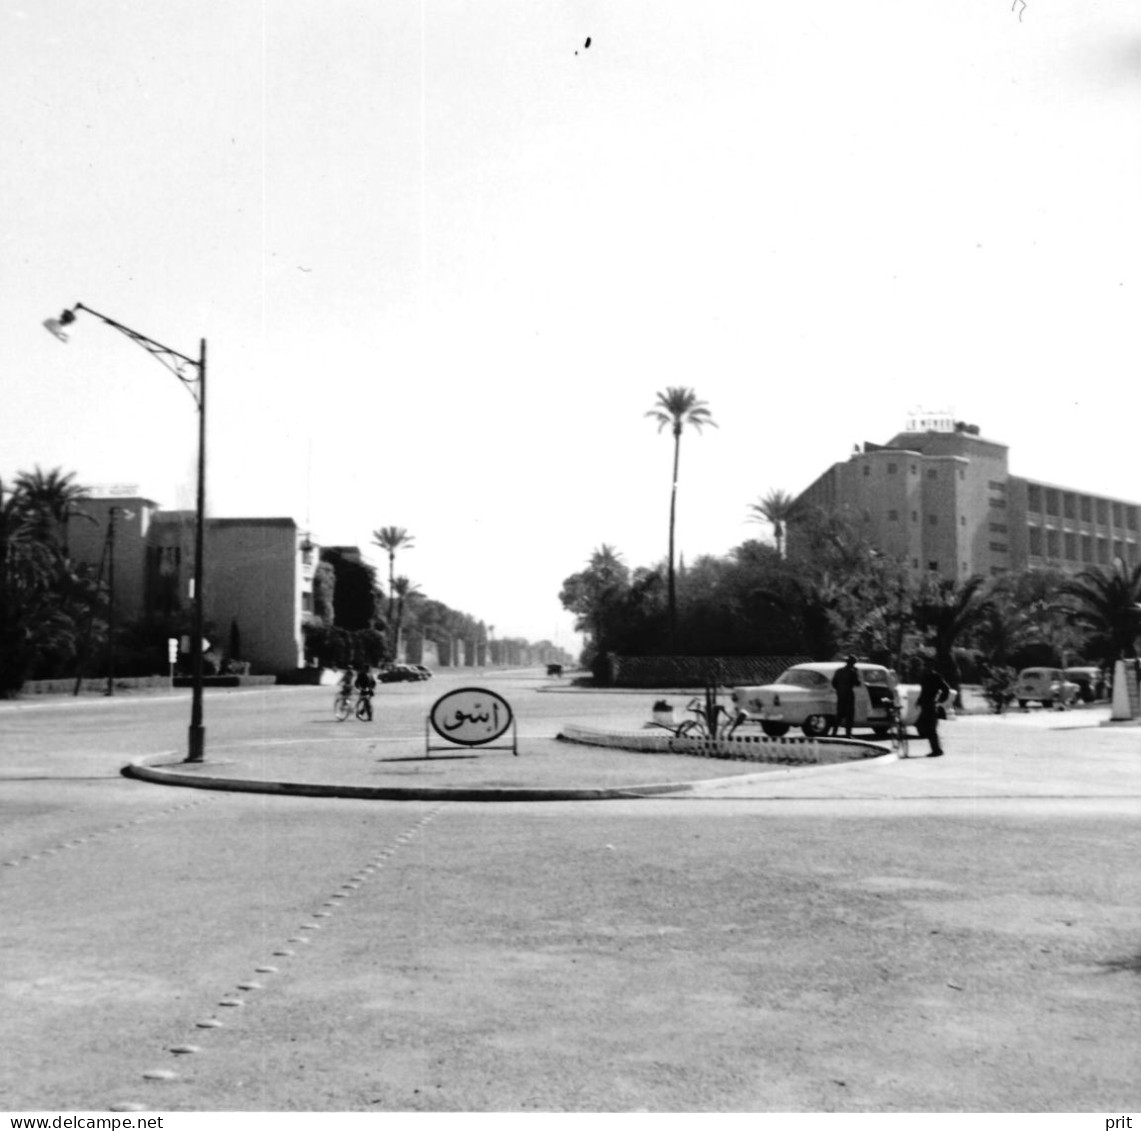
1045 686
1092 683
803 696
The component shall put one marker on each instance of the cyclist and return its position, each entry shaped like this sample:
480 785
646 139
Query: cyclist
347 680
366 687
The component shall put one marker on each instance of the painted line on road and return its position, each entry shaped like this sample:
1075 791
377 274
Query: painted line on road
359 876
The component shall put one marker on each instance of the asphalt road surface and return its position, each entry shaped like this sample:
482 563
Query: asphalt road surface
957 935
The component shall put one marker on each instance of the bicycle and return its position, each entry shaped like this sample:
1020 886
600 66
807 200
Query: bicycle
343 706
698 726
898 732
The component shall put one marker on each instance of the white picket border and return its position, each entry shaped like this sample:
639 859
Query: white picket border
746 748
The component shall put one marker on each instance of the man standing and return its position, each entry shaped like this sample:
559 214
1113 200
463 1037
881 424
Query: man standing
933 692
845 681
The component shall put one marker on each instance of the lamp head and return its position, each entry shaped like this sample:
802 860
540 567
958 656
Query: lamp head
56 325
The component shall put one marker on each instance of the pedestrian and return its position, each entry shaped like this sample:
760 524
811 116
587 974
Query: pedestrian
934 691
845 681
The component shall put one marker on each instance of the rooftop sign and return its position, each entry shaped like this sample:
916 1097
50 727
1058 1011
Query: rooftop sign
931 420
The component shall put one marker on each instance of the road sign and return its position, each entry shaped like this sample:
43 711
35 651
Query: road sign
172 648
471 716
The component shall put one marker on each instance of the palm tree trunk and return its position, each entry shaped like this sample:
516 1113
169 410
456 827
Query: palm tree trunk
673 520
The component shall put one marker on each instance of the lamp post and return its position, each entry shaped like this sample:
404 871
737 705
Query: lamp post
192 374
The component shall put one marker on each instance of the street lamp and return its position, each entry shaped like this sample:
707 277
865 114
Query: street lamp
193 376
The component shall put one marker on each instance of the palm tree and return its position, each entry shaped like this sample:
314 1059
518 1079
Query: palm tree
405 591
51 499
778 508
1108 603
34 605
390 539
677 407
947 610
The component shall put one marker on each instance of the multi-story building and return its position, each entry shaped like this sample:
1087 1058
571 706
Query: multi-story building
943 500
259 573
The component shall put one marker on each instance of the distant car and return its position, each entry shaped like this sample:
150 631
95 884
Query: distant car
399 673
803 696
424 673
1045 686
1091 682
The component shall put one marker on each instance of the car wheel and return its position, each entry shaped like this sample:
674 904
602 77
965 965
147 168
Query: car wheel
775 730
1047 703
881 732
816 725
1023 703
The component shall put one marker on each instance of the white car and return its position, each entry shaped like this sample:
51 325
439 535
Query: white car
1044 685
803 696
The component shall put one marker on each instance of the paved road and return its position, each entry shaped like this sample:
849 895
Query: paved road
952 935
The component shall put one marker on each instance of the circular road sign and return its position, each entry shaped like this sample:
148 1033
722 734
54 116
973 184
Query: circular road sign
470 716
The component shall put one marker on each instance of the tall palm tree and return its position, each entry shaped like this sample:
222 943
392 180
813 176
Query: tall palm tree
778 508
405 591
677 407
390 539
1108 602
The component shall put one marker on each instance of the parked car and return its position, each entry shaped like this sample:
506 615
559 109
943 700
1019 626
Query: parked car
399 673
424 673
1045 686
1091 682
803 696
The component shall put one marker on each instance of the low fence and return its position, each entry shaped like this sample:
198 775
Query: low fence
743 748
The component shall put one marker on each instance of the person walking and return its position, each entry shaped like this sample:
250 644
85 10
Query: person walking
933 692
845 681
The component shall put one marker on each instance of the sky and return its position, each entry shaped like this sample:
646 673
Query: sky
445 255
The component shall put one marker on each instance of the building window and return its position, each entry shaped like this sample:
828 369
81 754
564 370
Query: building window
998 528
1118 549
1087 509
914 563
1051 543
867 469
962 520
1131 517
1034 498
997 485
1069 506
933 567
306 602
1118 518
914 471
1051 501
932 520
893 516
932 473
1102 512
914 516
892 468
999 547
962 473
1071 541
1102 551
998 504
1087 548
1036 541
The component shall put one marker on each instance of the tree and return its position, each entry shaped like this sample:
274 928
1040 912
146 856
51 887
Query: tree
946 610
39 596
778 508
355 596
405 591
51 499
390 539
594 592
677 407
1107 602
